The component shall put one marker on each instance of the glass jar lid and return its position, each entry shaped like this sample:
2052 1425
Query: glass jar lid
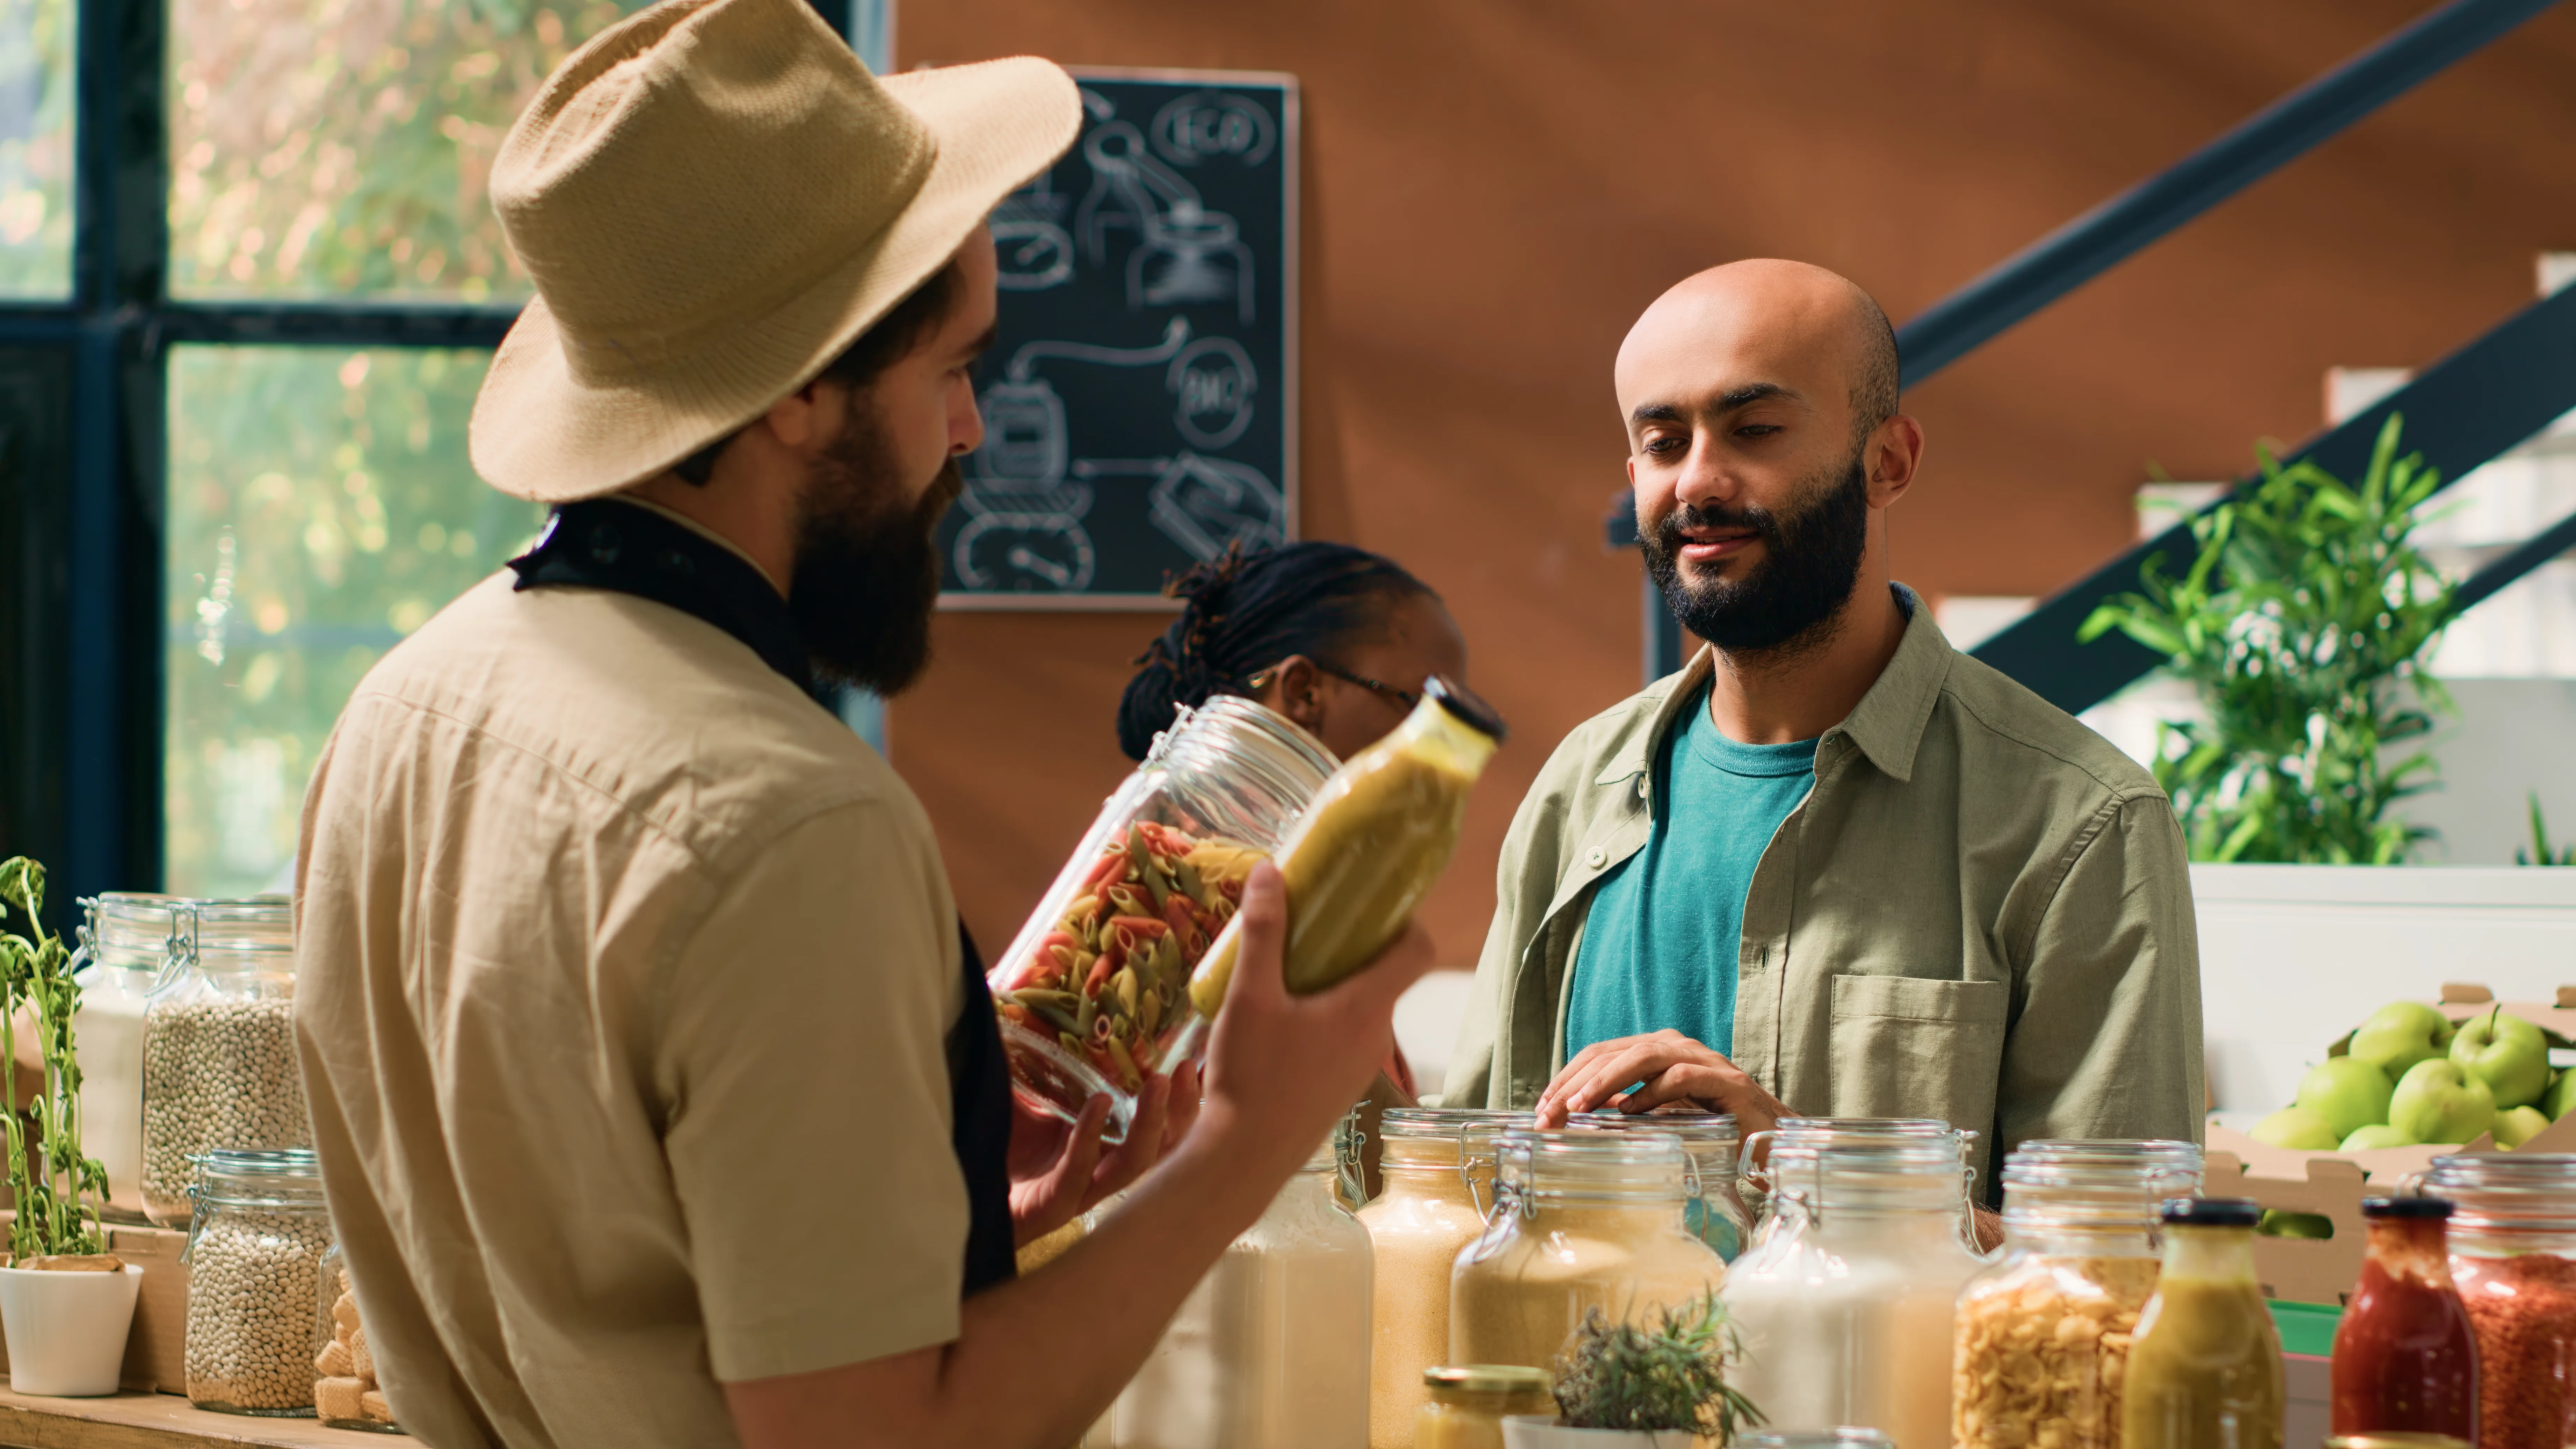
1487 1378
1232 732
1698 1129
284 1176
128 930
1447 1124
1910 1173
1845 1436
2104 1183
2531 1190
1579 1165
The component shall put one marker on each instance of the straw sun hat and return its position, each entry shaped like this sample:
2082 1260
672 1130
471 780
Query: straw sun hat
715 198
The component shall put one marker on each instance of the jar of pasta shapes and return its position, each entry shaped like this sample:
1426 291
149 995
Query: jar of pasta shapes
1270 1350
1717 1215
1754 1179
1845 1304
125 944
1582 1219
219 1068
1437 1166
348 1393
2513 1258
2043 1333
255 1299
1100 973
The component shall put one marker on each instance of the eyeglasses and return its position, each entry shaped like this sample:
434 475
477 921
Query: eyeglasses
1407 696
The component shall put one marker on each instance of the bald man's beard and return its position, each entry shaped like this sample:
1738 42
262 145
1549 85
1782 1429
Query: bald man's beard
1791 601
867 561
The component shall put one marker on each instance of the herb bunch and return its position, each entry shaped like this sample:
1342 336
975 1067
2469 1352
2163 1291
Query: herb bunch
1670 1376
47 1176
2300 625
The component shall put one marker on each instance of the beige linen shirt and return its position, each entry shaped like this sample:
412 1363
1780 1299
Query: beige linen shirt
1981 912
623 976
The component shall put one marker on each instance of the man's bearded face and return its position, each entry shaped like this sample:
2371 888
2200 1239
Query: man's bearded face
1811 561
867 563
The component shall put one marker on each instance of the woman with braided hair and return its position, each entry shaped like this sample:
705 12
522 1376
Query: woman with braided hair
1334 637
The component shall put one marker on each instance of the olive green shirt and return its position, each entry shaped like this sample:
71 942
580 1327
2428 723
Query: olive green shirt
1981 913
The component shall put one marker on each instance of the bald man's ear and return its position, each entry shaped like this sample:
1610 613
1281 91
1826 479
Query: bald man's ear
1893 454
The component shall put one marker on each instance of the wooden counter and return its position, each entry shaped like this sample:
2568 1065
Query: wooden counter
162 1421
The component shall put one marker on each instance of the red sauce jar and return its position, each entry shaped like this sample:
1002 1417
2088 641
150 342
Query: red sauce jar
2405 1357
2513 1258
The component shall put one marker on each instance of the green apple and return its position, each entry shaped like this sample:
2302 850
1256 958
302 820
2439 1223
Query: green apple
2348 1092
2562 1095
2399 1035
2375 1136
2438 1101
2515 1126
2276 1223
2507 1053
2298 1129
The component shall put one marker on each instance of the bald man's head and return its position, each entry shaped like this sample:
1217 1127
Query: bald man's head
1796 306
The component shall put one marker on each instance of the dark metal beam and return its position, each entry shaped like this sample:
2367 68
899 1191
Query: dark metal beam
330 325
2491 578
2278 134
2461 412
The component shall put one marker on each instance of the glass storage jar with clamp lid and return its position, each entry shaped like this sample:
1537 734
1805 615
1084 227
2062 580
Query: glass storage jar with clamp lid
1582 1219
1717 1215
124 948
219 1067
2513 1258
2043 1333
1438 1168
1845 1304
1754 1178
254 1259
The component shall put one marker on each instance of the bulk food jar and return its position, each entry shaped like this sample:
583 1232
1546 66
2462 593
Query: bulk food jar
219 1067
124 946
1438 1168
1270 1350
255 1304
1581 1220
2513 1257
1845 1303
1717 1215
2081 1245
1818 1132
1099 975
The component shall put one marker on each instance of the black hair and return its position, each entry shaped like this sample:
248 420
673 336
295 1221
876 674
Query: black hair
888 340
1247 611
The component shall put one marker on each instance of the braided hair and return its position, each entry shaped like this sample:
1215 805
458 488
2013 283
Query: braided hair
1245 612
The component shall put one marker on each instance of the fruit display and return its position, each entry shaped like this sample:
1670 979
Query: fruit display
2410 1077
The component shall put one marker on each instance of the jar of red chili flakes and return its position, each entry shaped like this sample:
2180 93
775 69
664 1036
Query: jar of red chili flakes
1096 985
2513 1255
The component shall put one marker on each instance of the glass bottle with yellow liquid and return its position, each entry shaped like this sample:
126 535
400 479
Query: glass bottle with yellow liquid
2205 1371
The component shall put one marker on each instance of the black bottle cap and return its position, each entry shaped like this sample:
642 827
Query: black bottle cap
2212 1212
1462 702
2405 1207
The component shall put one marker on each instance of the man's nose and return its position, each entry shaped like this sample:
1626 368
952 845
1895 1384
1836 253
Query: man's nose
1703 477
965 424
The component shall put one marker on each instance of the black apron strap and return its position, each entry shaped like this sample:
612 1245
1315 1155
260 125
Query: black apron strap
979 1096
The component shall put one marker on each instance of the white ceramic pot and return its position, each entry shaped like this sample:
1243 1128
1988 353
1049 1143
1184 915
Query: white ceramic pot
1541 1431
66 1331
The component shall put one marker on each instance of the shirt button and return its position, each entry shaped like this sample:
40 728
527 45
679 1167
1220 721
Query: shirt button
1645 788
1595 856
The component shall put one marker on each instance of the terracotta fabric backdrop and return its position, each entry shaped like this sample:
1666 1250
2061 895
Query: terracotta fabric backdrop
1494 188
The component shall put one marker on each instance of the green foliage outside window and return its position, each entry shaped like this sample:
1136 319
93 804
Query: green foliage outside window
2300 624
35 148
342 147
321 508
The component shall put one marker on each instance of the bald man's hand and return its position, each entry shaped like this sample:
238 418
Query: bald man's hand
1671 1068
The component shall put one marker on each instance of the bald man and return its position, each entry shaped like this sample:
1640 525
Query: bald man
1834 867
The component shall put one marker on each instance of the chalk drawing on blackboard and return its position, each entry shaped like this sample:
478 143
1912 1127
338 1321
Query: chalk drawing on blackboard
1213 381
1185 253
1203 504
1029 239
1202 124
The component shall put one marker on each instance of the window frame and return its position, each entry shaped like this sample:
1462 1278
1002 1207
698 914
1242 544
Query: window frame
92 498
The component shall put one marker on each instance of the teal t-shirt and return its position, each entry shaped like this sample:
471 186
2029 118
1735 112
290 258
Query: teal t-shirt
1665 929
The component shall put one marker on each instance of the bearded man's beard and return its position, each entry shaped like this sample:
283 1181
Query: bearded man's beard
1811 562
867 564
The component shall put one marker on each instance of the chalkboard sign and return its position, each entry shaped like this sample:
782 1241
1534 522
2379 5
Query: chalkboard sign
1140 405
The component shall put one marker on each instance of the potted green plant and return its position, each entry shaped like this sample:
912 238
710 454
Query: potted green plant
1662 1386
65 1302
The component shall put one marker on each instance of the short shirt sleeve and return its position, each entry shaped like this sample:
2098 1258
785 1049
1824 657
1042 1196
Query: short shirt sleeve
804 1067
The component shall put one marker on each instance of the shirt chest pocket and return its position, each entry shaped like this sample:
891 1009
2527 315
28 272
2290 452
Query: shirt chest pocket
1905 1046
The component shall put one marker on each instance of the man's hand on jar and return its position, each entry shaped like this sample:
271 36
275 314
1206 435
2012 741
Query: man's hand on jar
1663 1066
1060 1170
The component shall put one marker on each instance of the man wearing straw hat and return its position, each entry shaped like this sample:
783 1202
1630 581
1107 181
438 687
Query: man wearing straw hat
657 1100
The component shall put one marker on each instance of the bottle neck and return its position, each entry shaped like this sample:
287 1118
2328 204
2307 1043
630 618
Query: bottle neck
2411 1248
2214 1254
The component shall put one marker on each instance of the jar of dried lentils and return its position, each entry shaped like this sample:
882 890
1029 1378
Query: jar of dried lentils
2042 1336
255 1305
2513 1255
1438 1167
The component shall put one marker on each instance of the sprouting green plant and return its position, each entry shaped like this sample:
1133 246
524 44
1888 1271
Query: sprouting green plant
2301 625
47 1176
1671 1376
2540 852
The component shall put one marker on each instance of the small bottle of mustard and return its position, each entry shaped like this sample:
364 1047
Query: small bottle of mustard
2205 1369
1470 1401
